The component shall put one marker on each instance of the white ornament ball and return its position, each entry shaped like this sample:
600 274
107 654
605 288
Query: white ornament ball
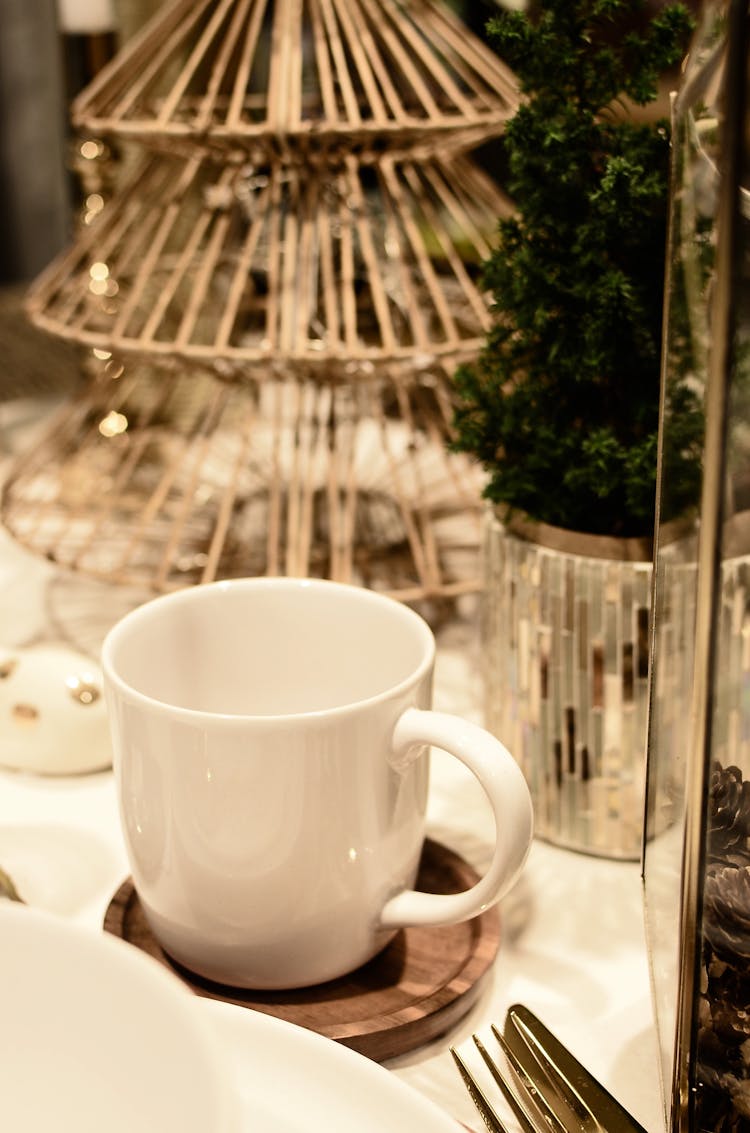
53 718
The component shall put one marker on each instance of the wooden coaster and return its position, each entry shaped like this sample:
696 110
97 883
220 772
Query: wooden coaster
412 992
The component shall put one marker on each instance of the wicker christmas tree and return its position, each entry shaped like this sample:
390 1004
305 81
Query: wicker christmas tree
273 301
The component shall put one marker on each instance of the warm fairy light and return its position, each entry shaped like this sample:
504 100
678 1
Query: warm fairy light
91 150
93 205
100 282
114 370
102 355
113 424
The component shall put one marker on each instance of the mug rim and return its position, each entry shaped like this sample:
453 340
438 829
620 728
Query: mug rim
200 716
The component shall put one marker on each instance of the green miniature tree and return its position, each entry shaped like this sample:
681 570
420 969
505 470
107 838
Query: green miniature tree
562 404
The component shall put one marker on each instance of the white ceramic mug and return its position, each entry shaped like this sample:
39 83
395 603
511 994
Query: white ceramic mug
270 742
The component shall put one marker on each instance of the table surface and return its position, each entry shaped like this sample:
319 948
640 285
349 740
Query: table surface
572 947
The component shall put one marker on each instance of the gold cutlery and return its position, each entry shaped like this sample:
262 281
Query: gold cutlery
546 1087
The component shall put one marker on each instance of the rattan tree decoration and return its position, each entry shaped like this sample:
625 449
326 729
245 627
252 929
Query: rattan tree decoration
273 301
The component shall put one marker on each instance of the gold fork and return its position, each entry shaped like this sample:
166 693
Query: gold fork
487 1111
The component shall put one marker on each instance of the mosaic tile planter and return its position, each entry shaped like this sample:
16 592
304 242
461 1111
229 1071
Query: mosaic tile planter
565 650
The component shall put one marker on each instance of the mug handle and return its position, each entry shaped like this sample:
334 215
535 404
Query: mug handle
505 786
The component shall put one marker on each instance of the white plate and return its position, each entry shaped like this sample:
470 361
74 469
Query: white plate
95 1036
291 1080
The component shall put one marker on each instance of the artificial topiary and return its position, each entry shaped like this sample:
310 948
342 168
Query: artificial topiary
562 405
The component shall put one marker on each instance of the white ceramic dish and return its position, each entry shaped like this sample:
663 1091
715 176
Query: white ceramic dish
95 1037
291 1080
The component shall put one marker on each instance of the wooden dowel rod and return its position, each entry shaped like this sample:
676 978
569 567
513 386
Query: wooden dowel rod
195 59
244 69
206 108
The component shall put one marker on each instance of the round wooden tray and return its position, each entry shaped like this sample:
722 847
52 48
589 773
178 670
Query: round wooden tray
412 992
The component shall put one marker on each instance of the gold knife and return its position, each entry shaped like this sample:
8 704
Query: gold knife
587 1104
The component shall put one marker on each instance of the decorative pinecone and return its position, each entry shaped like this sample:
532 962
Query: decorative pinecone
728 818
721 1102
723 1047
726 914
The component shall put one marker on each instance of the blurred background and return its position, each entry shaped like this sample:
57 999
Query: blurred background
49 51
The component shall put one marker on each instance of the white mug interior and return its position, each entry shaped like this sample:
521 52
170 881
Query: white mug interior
268 647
